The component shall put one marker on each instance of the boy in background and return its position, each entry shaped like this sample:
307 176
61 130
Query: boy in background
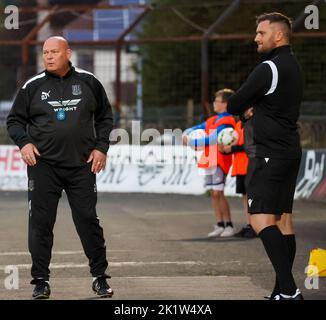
216 165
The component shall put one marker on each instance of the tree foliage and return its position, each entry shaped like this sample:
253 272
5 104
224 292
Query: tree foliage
172 70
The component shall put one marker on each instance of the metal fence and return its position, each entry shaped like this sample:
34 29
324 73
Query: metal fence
159 81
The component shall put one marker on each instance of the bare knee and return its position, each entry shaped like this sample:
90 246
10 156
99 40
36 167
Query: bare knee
261 221
285 224
217 194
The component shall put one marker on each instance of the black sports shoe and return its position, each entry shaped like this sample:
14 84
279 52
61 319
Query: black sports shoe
101 287
247 232
41 290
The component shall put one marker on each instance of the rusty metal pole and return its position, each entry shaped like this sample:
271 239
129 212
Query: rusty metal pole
26 42
81 7
204 76
25 56
118 78
233 36
119 45
299 21
204 54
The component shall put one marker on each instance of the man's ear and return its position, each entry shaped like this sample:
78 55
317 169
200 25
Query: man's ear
69 52
279 35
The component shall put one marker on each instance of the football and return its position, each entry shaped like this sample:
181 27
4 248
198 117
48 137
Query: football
227 137
197 134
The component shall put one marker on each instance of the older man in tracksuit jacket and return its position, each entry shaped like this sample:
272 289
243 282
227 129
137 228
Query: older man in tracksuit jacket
67 119
274 89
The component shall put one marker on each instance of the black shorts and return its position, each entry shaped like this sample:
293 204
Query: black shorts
240 184
271 185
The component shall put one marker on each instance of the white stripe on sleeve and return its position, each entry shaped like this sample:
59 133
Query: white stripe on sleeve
274 77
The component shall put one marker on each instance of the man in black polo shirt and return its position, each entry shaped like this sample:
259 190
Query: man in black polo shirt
274 89
61 120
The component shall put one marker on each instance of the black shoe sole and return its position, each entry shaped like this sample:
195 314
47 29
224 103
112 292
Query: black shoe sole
106 295
41 297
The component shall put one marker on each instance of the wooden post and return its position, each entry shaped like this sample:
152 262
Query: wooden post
190 113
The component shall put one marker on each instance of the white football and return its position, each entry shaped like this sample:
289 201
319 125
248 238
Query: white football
197 134
227 137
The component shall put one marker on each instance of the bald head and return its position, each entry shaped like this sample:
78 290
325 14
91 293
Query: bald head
56 55
58 41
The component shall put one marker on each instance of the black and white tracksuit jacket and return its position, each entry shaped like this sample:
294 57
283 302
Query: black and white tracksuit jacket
65 118
275 89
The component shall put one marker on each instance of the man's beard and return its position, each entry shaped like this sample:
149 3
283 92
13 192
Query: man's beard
263 50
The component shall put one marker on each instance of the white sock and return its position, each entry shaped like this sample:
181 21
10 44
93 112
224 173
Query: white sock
47 281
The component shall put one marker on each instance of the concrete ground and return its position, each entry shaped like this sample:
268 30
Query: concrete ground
157 249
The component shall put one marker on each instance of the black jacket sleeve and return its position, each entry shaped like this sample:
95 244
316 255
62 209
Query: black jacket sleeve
17 119
237 148
255 87
103 118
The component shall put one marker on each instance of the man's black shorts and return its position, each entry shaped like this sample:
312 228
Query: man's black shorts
240 184
271 185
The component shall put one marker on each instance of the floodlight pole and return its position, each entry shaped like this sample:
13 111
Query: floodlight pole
204 54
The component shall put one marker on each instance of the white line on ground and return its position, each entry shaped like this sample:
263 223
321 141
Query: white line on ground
180 213
112 264
25 253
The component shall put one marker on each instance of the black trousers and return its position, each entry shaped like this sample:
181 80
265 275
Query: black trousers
45 185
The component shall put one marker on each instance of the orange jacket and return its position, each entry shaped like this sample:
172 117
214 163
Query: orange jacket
212 157
240 158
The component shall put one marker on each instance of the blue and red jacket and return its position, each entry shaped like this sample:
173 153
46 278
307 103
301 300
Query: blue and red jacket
211 156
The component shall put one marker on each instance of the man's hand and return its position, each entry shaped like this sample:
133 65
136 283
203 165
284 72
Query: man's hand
227 149
99 161
248 113
28 153
224 149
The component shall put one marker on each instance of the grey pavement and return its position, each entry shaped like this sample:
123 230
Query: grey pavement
157 249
